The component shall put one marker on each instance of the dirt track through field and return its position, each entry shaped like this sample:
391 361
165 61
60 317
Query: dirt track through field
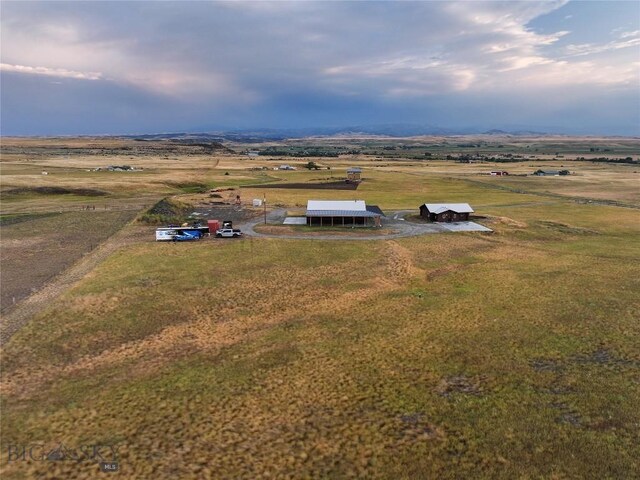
39 301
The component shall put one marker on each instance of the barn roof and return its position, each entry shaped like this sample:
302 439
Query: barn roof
338 208
375 209
350 205
341 213
443 207
354 170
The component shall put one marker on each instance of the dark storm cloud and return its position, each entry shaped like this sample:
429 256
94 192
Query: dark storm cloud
147 66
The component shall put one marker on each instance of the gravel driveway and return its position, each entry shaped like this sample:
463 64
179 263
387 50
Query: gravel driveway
394 221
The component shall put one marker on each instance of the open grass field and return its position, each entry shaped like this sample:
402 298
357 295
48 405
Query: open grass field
457 355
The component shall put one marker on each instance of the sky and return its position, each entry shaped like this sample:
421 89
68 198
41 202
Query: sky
150 67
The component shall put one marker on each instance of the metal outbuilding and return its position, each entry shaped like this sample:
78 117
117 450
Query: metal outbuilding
551 173
341 213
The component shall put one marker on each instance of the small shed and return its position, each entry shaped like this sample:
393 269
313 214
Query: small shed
446 212
551 173
354 175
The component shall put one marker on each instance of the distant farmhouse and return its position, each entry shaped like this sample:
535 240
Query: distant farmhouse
354 175
550 173
286 167
120 168
116 168
446 212
342 213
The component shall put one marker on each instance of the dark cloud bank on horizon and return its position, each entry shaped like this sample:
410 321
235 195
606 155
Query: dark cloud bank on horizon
116 67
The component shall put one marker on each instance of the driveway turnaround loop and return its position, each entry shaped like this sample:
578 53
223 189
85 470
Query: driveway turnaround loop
394 221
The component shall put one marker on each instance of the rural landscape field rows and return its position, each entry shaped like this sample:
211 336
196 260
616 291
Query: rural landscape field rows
444 355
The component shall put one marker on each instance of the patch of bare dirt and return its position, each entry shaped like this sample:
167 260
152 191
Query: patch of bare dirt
311 186
41 298
86 192
459 384
35 251
224 210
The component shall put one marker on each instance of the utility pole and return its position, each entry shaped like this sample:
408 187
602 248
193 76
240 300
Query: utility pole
264 204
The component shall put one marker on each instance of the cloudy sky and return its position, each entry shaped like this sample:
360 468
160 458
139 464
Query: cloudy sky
119 67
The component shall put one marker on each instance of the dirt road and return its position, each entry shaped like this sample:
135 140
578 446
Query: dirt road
394 221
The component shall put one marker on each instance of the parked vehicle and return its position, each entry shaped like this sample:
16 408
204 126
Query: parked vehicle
178 234
165 234
187 235
228 233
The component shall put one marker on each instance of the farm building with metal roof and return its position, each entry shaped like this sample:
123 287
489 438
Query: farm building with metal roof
446 212
342 213
551 173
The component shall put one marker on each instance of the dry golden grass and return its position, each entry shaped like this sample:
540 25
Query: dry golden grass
309 358
512 355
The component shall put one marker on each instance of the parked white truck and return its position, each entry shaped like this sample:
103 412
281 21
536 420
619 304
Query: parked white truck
228 233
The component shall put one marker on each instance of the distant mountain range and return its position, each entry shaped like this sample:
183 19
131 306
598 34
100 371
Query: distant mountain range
385 130
516 133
